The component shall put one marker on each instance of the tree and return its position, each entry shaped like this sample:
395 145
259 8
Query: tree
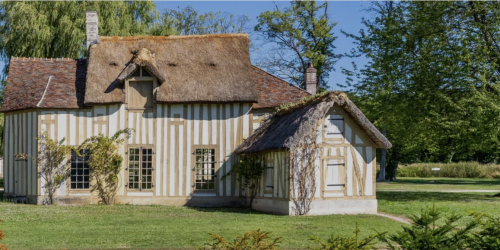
105 164
52 162
187 21
432 78
300 34
249 171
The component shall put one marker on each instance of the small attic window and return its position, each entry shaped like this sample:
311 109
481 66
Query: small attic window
137 72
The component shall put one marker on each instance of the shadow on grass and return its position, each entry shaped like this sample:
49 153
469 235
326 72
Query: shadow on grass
434 196
448 181
236 210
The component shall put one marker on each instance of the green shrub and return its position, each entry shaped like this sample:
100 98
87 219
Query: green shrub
452 170
345 243
250 240
489 235
425 234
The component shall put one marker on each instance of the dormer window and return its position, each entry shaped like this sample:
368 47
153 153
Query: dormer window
140 90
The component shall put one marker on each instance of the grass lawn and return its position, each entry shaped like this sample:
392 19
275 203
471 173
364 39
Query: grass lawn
423 192
408 203
128 226
440 184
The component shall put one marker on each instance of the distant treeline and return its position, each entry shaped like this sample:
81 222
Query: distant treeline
432 82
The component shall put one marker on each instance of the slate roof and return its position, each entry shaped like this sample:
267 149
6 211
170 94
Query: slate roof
28 78
274 91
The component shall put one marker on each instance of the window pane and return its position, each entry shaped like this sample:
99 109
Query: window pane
79 170
205 169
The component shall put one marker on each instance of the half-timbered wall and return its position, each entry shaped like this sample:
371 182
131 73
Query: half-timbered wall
174 132
346 160
20 176
274 182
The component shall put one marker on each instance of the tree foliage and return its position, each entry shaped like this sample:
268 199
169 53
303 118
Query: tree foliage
57 29
188 21
105 163
432 80
426 234
52 162
302 33
489 235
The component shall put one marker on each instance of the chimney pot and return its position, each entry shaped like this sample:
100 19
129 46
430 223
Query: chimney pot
311 80
92 27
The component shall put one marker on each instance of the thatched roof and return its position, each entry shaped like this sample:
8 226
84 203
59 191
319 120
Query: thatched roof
142 58
28 84
289 126
199 68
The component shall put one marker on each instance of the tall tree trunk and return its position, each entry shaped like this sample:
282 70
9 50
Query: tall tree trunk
381 176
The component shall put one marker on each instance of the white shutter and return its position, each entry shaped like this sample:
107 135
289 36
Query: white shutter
334 126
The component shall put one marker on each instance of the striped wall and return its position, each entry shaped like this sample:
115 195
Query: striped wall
20 177
346 162
275 180
174 132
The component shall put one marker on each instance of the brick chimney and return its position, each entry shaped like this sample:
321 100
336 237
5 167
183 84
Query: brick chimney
310 79
92 28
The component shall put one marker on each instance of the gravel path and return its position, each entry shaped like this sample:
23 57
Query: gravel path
441 191
395 218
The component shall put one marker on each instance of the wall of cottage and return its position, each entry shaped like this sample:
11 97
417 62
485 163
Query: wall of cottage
20 176
174 132
345 167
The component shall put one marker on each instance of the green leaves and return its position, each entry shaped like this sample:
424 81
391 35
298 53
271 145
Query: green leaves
303 33
105 163
432 79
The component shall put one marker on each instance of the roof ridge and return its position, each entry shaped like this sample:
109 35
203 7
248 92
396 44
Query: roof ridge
18 58
172 37
281 79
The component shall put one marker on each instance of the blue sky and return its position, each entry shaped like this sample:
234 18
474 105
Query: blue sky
348 15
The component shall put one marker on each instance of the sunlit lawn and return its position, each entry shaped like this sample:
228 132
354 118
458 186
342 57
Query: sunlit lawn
440 184
128 226
426 192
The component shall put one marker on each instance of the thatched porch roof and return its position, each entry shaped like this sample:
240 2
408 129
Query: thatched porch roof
288 127
199 68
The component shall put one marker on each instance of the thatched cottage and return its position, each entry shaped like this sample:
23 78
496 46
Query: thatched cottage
192 101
